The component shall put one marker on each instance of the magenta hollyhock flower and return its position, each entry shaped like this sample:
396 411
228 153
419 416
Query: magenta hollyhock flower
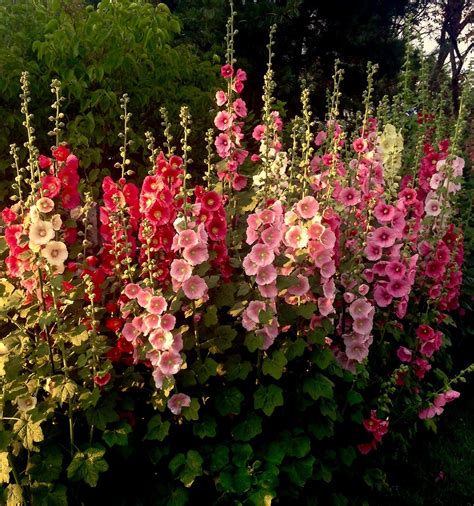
266 275
194 288
180 270
262 255
398 288
170 363
196 254
381 296
307 207
156 305
442 253
395 270
221 98
223 120
435 269
384 212
360 308
177 402
301 287
240 108
404 354
239 182
223 145
349 197
259 132
227 71
296 237
398 221
420 367
384 237
372 251
401 308
359 145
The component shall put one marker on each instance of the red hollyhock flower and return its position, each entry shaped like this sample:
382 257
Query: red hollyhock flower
61 153
114 324
51 186
44 161
101 381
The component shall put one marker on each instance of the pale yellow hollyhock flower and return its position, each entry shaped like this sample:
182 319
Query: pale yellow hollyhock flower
56 221
55 253
45 205
3 349
41 232
34 214
27 404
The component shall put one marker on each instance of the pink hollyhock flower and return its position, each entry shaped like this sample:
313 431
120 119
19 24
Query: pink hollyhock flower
296 237
240 108
398 221
187 238
51 186
384 237
254 221
194 288
227 71
143 298
359 145
196 255
363 289
451 395
360 308
170 363
316 230
348 297
381 296
398 288
177 402
251 235
161 340
239 182
262 255
272 236
253 310
269 291
442 253
420 367
328 238
223 145
300 287
221 98
372 251
156 305
250 267
349 197
428 348
259 132
328 269
325 306
404 354
436 180
363 325
401 309
151 322
138 323
357 350
320 138
267 216
307 207
432 207
223 120
168 322
395 270
238 86
129 332
365 448
180 270
329 289
384 212
430 412
266 275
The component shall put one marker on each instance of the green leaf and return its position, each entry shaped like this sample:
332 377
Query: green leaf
226 295
179 497
348 455
275 453
354 397
101 415
204 370
262 497
47 465
205 428
228 401
64 388
87 465
317 387
219 458
176 463
29 432
117 436
300 470
253 342
241 480
210 316
192 468
322 358
268 398
274 365
299 447
265 316
317 336
236 369
15 496
191 412
248 429
296 349
241 454
49 495
157 430
306 310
